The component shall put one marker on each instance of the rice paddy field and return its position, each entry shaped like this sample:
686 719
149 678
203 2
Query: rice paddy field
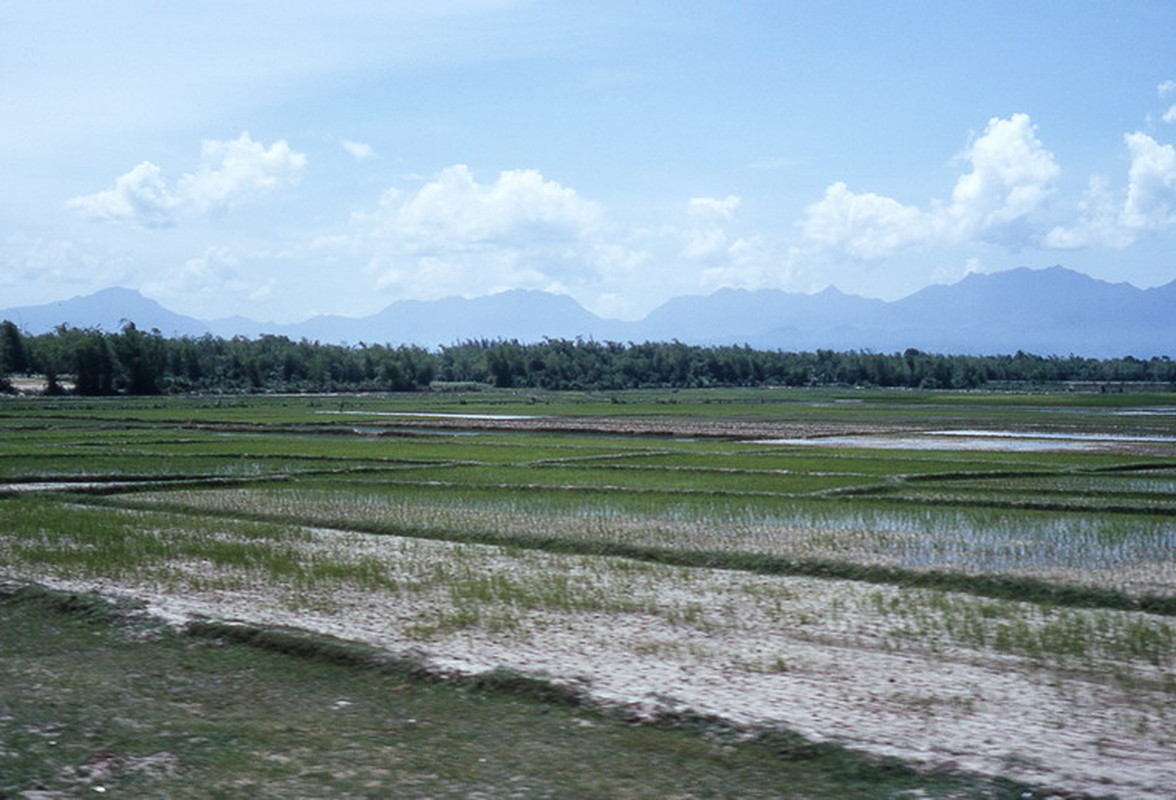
974 584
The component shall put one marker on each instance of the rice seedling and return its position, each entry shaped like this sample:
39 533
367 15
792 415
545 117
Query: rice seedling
1059 636
710 554
1085 549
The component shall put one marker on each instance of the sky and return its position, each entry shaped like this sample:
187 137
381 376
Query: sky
280 160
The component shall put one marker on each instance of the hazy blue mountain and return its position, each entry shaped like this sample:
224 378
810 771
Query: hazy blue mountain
228 327
1052 311
107 310
519 314
738 316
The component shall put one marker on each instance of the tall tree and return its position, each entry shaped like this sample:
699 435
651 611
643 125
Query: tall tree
93 364
14 354
141 359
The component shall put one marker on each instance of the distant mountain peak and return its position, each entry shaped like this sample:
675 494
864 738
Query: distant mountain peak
117 293
1051 311
106 309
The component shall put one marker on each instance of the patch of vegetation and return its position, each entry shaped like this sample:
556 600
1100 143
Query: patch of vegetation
980 551
135 362
1049 560
137 710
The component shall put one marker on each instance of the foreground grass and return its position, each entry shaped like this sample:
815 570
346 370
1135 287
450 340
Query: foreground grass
1030 570
135 710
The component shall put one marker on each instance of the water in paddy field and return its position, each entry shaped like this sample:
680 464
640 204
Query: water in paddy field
1003 441
998 540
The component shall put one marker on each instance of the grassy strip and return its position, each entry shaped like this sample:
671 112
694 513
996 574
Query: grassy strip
135 709
1003 587
305 644
331 650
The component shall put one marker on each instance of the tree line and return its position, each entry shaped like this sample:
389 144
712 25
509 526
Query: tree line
136 362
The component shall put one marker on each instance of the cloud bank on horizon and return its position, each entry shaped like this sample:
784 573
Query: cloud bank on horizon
371 154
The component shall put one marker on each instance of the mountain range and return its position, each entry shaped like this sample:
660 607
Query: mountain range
1054 311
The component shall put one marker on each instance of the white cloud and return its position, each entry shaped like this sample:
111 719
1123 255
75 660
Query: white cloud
748 264
952 272
711 256
455 235
519 208
215 269
358 150
1147 205
237 171
705 239
231 173
1098 224
1151 184
864 226
704 244
139 197
1163 90
202 285
203 277
1011 177
713 207
997 201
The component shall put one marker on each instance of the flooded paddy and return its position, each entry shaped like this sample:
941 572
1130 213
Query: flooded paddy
994 440
904 578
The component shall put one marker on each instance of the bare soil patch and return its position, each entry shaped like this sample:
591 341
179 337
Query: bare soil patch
821 657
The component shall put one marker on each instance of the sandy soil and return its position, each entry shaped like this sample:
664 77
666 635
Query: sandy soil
820 657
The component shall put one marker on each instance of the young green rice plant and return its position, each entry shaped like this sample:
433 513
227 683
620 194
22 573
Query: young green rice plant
73 541
365 572
708 501
53 535
1086 638
1104 550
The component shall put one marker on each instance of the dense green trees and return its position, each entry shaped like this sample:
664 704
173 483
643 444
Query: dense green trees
13 353
139 362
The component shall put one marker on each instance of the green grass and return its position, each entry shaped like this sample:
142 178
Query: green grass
723 528
915 407
129 709
76 541
1043 556
635 479
1046 634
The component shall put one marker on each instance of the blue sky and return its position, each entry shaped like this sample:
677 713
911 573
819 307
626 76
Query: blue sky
280 160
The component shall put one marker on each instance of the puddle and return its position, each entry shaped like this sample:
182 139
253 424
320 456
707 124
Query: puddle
1004 441
433 415
68 486
1074 437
